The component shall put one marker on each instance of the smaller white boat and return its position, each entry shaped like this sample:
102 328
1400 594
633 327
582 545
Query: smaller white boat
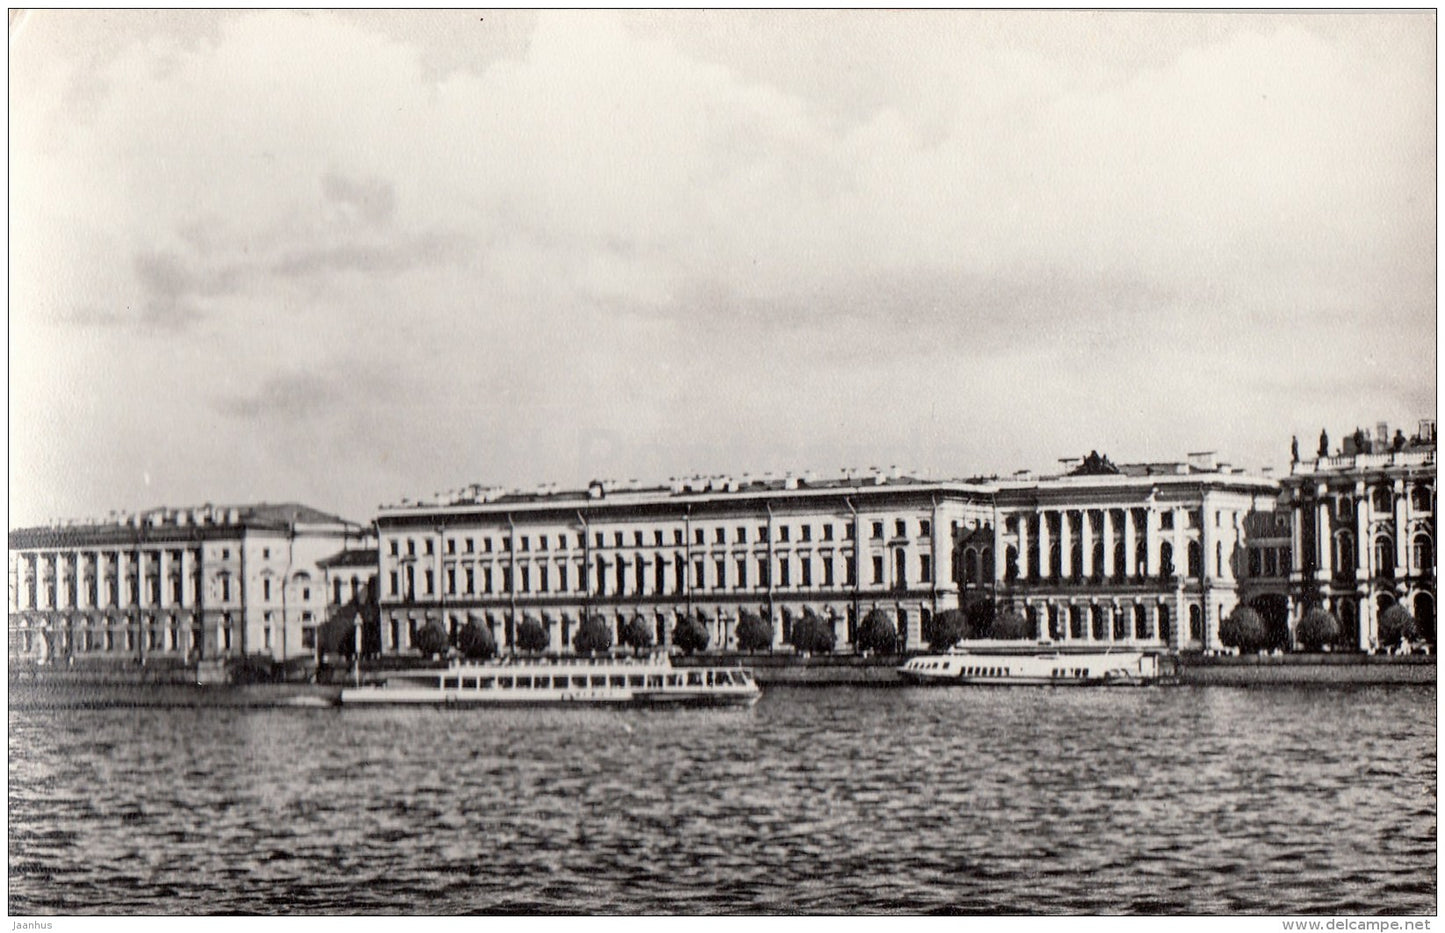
651 681
1102 668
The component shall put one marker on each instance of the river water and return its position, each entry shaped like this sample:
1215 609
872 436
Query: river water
1200 800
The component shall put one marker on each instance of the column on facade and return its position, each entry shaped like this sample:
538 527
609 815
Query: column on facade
1151 542
1401 529
1131 551
1086 540
1324 556
1066 545
1108 534
1045 562
1025 535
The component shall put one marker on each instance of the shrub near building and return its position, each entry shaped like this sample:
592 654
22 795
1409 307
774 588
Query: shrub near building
531 636
475 641
690 635
592 636
1318 628
946 629
1243 629
877 633
636 634
754 633
1397 625
1011 625
812 634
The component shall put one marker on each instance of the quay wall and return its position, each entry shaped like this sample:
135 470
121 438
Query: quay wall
1254 670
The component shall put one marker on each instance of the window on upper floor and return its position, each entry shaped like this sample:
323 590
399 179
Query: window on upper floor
877 530
900 529
428 545
925 528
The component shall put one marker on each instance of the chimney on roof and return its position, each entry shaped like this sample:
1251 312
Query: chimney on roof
1204 460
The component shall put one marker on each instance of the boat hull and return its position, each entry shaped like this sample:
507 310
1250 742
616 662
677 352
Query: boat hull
1104 669
384 696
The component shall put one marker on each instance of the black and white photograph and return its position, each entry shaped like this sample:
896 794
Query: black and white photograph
742 463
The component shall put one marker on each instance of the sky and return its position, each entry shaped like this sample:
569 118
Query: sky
345 258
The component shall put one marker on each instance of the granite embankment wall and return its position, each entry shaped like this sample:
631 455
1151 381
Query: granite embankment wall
176 684
1261 670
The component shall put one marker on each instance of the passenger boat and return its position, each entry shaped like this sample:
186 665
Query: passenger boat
652 681
1102 668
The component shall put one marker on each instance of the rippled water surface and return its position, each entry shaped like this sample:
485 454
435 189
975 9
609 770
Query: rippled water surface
1198 800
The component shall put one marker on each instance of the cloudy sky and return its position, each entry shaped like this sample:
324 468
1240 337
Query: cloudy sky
345 258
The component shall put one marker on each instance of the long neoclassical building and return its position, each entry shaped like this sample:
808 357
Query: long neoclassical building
712 547
186 583
1145 554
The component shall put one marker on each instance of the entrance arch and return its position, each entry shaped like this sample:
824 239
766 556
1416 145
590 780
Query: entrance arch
1425 615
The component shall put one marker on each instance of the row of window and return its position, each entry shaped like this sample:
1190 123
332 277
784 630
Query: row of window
1382 500
623 577
563 540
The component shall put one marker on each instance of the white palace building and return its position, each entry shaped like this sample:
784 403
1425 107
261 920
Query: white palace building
1141 554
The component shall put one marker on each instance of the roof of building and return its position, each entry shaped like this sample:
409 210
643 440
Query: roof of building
208 519
351 557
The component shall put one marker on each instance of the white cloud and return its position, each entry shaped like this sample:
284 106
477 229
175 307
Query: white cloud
521 247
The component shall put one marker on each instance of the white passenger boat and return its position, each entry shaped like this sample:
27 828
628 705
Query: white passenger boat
1103 668
651 681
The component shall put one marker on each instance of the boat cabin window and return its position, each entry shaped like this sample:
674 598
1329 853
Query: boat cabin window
654 680
694 678
487 683
599 680
524 683
634 680
449 683
579 683
674 680
469 683
723 679
617 680
504 682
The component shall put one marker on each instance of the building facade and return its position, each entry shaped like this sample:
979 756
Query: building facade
1364 531
1151 554
193 583
704 547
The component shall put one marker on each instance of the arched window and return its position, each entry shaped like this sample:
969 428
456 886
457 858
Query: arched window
1196 623
1384 557
1011 563
1382 499
1422 553
1166 560
1119 557
1141 622
1196 563
1166 627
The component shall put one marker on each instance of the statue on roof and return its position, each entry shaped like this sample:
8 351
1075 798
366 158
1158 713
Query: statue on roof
1094 465
1294 449
1324 443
